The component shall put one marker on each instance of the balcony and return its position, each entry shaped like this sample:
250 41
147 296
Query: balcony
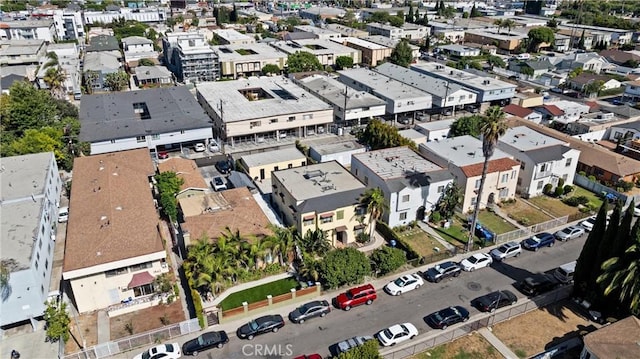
543 174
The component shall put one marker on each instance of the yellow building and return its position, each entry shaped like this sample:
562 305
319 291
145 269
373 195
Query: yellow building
260 165
325 195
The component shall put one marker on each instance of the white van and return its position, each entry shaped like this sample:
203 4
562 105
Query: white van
524 56
565 272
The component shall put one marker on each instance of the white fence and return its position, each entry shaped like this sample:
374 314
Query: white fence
528 231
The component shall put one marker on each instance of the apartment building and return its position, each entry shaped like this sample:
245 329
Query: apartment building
28 30
372 53
504 41
145 15
233 37
136 48
190 58
21 52
317 32
30 187
69 60
407 31
346 31
244 61
326 51
260 166
68 24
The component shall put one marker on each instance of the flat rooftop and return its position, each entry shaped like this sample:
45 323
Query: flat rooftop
233 35
315 30
276 156
139 113
314 46
526 139
20 47
114 215
317 180
22 186
338 147
424 82
492 34
436 125
462 150
347 31
462 77
274 96
397 162
383 85
332 91
386 42
247 52
361 42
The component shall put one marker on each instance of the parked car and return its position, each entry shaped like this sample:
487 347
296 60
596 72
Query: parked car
213 146
346 345
309 356
538 284
588 223
218 184
63 214
494 300
538 241
199 147
446 317
404 284
507 250
204 341
163 351
442 271
223 167
397 334
265 324
483 233
317 308
568 233
365 294
636 210
476 261
163 155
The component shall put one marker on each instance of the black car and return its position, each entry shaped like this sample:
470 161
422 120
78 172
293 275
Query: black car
446 317
205 341
223 167
538 284
494 300
317 308
442 271
268 323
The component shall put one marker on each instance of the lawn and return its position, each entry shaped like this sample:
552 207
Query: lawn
524 213
420 241
556 207
456 234
473 346
594 200
495 223
256 294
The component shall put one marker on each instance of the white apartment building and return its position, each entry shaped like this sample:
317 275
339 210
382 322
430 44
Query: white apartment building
233 37
28 30
407 31
69 60
326 51
190 58
68 24
136 48
318 32
572 110
147 15
247 60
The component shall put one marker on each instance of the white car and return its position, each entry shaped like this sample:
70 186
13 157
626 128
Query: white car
199 147
636 210
218 184
164 351
476 261
404 284
213 146
397 334
63 214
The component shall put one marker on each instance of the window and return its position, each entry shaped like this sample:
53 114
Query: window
366 180
403 216
307 222
327 219
137 267
505 178
141 139
340 215
46 264
275 168
291 118
477 184
273 120
115 272
155 137
113 141
543 167
450 98
290 165
540 185
522 165
504 193
307 116
513 174
473 201
253 124
440 189
405 198
564 177
568 163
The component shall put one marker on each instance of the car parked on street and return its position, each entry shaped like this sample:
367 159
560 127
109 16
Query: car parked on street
506 250
309 356
317 308
494 300
404 284
163 351
476 261
442 319
568 233
397 334
588 223
636 210
346 345
353 297
208 340
538 284
218 184
265 324
442 271
538 241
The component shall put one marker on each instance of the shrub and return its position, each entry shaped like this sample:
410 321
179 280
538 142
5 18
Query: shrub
567 189
548 189
624 185
435 217
197 305
582 173
390 235
592 178
576 201
362 237
388 259
559 191
343 266
524 221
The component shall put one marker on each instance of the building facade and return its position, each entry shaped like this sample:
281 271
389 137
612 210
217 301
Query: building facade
190 58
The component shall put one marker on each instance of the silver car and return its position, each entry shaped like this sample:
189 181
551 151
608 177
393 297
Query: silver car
568 233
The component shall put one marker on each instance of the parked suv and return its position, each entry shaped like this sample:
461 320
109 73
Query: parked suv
538 241
442 271
507 250
365 294
568 233
538 284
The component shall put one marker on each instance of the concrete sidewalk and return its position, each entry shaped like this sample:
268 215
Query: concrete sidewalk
497 343
432 232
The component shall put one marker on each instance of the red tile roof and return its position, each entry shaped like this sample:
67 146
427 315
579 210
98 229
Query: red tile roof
593 106
553 110
499 165
517 110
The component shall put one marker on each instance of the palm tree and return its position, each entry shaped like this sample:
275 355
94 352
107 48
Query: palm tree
314 242
499 24
373 199
509 24
90 77
283 242
53 60
492 126
55 78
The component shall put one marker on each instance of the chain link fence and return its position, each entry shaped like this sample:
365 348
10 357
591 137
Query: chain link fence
486 320
135 341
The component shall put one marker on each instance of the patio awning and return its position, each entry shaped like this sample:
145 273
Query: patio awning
326 215
341 229
359 226
309 218
141 278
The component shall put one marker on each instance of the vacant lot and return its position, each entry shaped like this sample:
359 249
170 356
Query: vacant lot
146 319
524 213
473 346
495 223
541 329
420 241
84 328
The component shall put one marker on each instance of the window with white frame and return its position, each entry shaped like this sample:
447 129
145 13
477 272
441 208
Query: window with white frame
253 124
403 216
568 163
505 178
540 185
141 139
440 189
405 198
504 193
477 185
473 201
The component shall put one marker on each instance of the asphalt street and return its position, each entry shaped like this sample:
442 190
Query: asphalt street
317 335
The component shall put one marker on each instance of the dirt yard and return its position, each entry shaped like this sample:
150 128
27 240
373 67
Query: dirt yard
532 333
521 211
87 329
473 346
146 319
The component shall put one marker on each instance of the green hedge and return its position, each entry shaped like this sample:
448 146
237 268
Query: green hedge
197 304
389 235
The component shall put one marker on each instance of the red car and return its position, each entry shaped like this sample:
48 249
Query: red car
310 356
163 155
365 294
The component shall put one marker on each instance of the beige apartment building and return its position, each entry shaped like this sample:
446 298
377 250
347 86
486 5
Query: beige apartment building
260 165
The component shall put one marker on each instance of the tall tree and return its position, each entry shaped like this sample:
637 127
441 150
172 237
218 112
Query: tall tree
410 15
508 24
474 11
538 36
498 23
55 77
378 135
89 78
449 201
303 61
581 41
373 199
116 81
283 242
416 17
402 55
468 125
492 126
589 254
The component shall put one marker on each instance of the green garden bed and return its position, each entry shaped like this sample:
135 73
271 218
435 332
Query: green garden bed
258 293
